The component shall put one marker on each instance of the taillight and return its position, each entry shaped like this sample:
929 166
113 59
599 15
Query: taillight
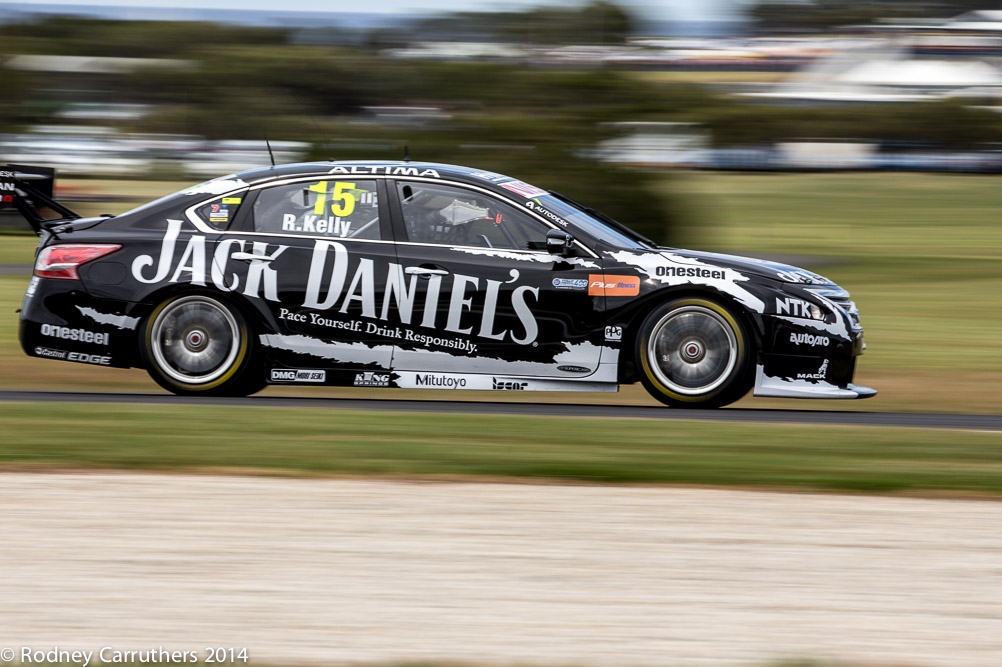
61 261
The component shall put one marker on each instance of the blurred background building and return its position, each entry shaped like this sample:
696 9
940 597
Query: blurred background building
572 92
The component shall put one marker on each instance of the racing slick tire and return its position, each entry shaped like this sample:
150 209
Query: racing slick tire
197 345
694 353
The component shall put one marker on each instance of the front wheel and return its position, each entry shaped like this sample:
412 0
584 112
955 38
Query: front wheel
694 353
197 345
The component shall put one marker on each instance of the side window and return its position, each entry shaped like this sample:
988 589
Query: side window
220 212
450 215
335 208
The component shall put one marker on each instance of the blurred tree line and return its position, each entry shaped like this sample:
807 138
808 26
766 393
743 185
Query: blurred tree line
815 16
530 121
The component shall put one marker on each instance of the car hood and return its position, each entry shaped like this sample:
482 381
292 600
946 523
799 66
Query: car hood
760 267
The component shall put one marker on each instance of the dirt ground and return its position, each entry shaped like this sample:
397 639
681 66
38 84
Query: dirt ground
322 571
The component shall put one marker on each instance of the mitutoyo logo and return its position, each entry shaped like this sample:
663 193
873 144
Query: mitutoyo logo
444 381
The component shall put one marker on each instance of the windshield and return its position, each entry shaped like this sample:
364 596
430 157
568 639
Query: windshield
593 223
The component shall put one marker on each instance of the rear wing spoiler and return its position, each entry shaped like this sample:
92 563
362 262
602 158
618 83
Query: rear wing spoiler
30 191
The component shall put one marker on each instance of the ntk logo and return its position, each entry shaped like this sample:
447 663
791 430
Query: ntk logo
798 308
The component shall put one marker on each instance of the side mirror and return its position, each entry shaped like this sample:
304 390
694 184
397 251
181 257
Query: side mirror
558 242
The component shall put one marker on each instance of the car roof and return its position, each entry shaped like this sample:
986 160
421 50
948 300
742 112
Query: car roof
379 167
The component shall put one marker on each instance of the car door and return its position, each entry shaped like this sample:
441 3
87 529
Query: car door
319 251
488 297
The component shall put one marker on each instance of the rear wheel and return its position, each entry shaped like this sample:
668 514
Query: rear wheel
196 344
694 353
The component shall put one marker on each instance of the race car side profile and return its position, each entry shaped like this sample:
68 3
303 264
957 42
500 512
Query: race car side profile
417 275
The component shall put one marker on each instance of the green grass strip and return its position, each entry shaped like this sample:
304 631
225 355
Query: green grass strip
331 441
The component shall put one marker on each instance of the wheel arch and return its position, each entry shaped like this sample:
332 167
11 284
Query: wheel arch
256 314
628 367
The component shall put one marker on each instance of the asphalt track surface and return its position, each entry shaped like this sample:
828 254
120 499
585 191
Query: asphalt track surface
844 418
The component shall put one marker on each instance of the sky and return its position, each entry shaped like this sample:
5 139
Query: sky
666 10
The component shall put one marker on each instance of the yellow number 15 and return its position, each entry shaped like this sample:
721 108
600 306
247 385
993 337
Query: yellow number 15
342 199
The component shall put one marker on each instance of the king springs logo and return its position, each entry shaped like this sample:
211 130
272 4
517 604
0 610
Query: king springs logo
338 281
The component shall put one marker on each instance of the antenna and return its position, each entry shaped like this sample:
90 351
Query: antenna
270 154
407 153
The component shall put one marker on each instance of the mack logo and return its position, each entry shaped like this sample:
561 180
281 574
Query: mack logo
81 335
339 281
820 375
445 381
508 385
797 308
369 379
290 375
809 339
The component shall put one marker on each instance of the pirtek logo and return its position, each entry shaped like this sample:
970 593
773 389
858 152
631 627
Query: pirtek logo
606 285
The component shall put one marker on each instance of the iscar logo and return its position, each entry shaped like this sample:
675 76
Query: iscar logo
606 285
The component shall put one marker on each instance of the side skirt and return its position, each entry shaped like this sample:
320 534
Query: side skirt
434 380
420 380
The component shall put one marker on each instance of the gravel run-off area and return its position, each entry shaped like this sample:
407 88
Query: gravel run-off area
335 571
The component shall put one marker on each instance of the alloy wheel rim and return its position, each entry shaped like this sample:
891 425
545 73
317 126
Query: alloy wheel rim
195 340
693 350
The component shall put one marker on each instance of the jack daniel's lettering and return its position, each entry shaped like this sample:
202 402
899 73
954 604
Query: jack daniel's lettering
338 282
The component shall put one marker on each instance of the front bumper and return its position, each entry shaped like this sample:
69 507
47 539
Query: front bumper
803 357
777 387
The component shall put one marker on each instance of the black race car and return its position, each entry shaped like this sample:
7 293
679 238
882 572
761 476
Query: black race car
422 276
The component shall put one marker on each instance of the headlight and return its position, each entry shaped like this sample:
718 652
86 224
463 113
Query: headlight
840 298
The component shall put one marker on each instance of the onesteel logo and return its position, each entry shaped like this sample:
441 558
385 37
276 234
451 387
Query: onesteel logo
68 333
